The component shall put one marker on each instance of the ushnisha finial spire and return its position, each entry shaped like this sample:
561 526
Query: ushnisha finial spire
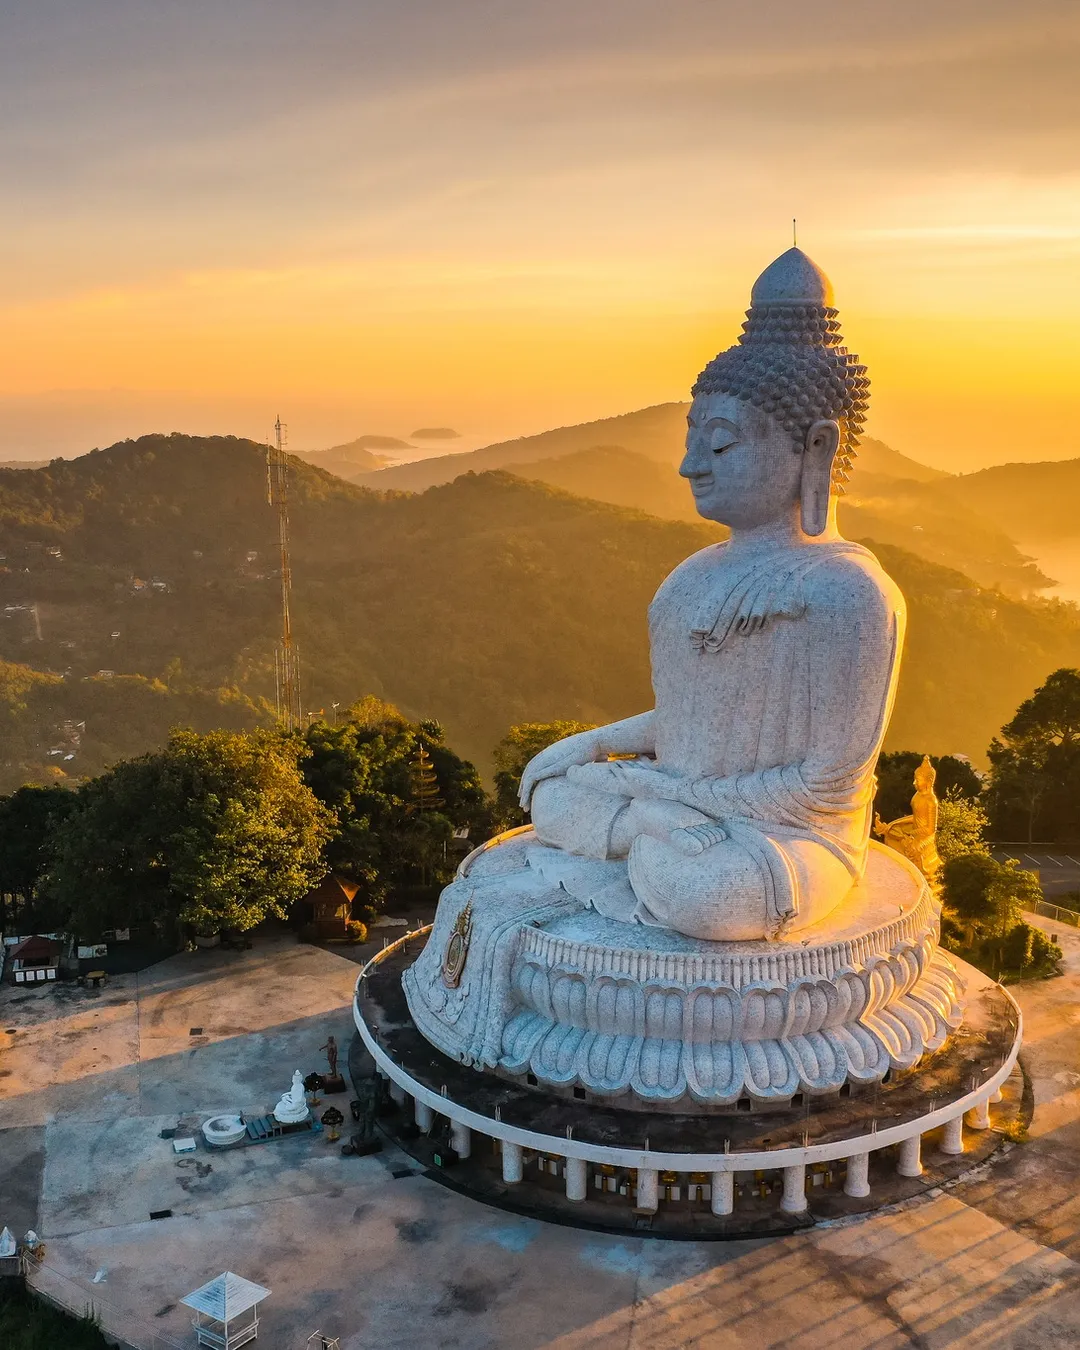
790 361
793 279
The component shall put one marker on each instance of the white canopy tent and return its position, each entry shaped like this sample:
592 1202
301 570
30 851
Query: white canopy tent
218 1303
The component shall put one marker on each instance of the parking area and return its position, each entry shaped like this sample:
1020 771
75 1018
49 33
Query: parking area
1058 869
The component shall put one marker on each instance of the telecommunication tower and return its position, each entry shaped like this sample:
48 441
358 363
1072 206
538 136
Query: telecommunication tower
287 662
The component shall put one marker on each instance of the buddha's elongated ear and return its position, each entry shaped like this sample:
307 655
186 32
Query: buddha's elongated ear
822 443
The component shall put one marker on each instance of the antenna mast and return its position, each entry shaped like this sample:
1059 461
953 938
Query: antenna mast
286 660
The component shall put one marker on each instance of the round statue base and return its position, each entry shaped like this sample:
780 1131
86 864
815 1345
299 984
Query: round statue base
290 1116
741 1171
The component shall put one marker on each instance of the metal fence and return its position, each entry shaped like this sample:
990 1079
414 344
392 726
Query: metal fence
116 1324
1049 911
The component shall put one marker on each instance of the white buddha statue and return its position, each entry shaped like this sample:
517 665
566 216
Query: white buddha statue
711 891
774 657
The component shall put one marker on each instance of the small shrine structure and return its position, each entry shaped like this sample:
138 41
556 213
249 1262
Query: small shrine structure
331 906
35 960
226 1311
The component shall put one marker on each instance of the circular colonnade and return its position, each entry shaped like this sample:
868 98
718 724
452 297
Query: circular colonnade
647 1176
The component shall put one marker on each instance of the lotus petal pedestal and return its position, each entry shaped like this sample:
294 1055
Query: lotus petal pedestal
646 1017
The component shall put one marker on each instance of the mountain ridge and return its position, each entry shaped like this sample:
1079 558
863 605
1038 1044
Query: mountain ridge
485 601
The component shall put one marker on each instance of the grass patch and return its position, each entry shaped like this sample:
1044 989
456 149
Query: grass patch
28 1323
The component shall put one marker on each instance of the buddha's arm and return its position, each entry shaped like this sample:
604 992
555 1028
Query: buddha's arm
631 736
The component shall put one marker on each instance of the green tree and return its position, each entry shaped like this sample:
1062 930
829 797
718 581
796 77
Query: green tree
1028 949
1035 786
363 770
215 831
895 773
961 828
988 895
511 755
28 819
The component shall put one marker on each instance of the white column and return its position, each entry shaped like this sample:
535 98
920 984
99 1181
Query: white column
648 1188
723 1193
577 1179
398 1093
910 1162
996 1095
423 1115
857 1184
953 1141
460 1139
794 1200
978 1118
511 1162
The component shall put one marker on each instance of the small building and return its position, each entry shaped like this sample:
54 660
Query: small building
34 960
331 906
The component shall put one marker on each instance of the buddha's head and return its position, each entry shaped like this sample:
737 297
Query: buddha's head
925 775
776 419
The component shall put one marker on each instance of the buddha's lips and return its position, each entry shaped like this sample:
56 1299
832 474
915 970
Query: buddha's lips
700 485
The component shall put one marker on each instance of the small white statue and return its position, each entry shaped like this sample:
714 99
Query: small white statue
293 1105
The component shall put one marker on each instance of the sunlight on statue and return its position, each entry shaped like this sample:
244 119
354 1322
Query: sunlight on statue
774 657
697 912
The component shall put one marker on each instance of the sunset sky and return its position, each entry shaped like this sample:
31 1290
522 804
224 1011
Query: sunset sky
376 214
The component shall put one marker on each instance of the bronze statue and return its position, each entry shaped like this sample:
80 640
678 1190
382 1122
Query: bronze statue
331 1055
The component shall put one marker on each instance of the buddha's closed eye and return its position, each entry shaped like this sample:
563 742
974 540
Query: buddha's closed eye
722 441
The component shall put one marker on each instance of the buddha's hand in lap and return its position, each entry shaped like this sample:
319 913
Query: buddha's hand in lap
555 761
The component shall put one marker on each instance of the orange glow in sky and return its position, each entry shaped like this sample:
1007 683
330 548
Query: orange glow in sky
396 214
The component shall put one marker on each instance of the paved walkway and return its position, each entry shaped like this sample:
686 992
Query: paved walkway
368 1250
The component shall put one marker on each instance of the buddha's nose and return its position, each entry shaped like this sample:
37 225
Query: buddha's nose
692 460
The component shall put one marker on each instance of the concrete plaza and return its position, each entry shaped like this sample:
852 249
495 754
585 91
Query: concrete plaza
372 1251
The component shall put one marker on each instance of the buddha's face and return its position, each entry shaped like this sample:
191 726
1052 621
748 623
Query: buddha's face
742 466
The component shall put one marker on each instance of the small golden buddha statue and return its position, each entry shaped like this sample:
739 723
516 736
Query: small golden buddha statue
915 836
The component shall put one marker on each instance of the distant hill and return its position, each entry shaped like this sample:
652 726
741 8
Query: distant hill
354 464
482 602
657 433
436 434
906 512
882 461
629 461
1031 501
369 442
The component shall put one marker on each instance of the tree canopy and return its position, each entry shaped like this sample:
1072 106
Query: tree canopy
1035 787
389 824
511 755
215 831
28 819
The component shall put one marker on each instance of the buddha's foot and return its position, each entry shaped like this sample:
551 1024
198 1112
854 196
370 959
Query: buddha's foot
695 839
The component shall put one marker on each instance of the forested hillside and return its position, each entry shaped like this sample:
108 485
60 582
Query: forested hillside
629 461
487 601
900 511
1031 501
